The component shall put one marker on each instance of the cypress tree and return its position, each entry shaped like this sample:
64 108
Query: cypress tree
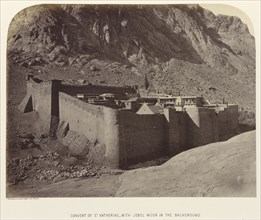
146 82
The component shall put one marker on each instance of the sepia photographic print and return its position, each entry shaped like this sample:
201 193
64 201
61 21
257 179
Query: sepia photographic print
131 100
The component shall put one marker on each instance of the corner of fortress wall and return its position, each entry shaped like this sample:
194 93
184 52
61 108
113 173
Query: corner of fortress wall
142 137
227 122
43 100
202 126
38 98
82 117
206 125
232 119
173 131
98 123
113 138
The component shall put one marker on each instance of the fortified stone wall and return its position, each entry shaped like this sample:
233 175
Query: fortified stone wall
214 125
182 118
232 116
41 101
201 126
127 137
145 136
98 123
114 139
82 117
222 124
227 122
172 131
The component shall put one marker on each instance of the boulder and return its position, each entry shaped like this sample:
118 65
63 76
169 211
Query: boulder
57 52
71 60
24 64
27 136
62 130
82 72
59 178
85 56
78 144
93 68
60 63
81 81
70 161
38 59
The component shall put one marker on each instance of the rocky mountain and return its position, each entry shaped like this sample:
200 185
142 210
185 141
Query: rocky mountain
180 48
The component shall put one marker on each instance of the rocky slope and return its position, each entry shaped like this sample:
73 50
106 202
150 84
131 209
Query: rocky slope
181 48
223 169
226 169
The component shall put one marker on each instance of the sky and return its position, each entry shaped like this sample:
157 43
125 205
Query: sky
232 11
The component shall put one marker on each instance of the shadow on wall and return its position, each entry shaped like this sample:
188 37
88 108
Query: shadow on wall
246 120
142 138
95 89
245 128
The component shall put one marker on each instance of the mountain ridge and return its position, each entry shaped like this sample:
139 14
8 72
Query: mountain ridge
181 48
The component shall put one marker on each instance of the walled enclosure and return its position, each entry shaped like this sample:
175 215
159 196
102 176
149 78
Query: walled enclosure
128 137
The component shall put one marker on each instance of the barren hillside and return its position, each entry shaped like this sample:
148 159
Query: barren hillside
181 48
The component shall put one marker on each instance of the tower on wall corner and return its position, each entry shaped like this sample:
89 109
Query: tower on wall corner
172 127
43 97
112 137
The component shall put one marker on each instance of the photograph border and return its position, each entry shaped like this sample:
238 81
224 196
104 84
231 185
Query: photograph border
93 208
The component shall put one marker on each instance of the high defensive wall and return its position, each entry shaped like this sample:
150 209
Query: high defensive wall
202 126
127 137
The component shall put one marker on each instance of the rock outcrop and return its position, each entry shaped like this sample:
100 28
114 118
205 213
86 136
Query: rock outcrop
226 169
